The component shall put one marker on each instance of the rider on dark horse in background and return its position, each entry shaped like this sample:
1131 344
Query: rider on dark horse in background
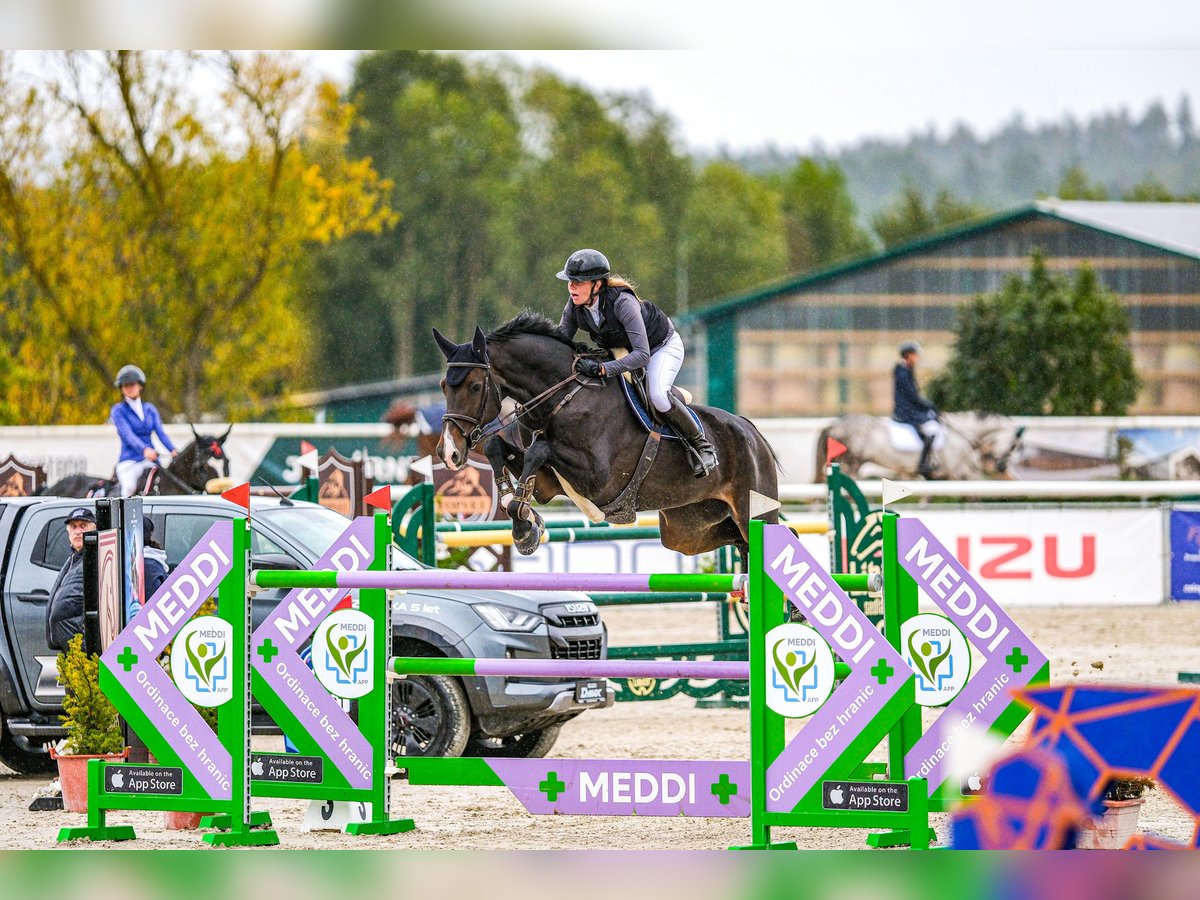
137 421
607 307
913 408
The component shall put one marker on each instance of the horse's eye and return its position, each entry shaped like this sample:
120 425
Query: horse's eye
476 388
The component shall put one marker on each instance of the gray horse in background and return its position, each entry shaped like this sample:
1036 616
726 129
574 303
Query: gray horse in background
973 447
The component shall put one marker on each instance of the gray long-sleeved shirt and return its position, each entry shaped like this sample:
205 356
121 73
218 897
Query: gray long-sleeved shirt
627 309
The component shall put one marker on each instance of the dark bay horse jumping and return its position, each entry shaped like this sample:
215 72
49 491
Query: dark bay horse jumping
569 434
189 472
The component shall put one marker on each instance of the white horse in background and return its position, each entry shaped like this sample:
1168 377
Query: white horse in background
971 446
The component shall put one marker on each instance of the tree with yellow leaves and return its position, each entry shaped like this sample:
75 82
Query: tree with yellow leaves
161 208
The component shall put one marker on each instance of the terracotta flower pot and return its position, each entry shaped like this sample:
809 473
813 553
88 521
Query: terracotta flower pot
1113 830
177 820
73 776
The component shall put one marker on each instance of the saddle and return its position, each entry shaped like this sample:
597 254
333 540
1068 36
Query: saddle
633 386
904 438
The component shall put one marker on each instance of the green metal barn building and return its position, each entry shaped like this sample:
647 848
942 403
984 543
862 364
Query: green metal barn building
825 342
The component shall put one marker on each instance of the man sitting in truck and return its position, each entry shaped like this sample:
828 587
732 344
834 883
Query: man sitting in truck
64 612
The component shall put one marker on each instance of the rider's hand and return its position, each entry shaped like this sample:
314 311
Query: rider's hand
590 367
151 454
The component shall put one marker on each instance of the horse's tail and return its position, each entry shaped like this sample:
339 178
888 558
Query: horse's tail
767 444
822 448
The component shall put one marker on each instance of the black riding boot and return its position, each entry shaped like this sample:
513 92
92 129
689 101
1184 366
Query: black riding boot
703 454
925 465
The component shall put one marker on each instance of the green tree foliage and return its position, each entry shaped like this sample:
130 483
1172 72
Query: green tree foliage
1044 345
144 225
819 217
1076 185
499 173
911 216
735 233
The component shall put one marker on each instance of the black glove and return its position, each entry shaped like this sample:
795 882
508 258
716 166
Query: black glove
588 366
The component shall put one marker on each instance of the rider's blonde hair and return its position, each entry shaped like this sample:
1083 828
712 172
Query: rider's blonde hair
621 283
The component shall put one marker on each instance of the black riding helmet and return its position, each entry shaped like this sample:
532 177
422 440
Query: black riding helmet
129 375
585 265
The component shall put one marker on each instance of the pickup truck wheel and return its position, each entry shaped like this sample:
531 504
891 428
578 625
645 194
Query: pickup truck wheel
430 716
23 762
530 745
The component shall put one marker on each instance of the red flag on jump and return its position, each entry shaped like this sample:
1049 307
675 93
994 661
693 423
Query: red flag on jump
306 447
239 495
834 448
380 499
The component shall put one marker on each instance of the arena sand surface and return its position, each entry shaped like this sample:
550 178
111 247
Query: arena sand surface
1114 645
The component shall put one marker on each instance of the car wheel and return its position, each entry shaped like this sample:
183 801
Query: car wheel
23 762
430 716
530 745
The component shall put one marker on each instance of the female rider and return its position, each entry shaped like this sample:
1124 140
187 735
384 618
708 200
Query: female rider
137 422
607 308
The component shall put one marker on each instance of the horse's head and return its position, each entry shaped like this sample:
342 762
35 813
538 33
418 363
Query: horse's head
472 399
998 445
207 450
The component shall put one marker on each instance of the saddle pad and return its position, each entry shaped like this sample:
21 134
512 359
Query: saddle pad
904 437
639 410
619 352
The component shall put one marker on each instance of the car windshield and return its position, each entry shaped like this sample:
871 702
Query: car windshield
315 528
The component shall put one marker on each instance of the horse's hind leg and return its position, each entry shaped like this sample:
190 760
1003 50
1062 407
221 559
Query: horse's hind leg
698 527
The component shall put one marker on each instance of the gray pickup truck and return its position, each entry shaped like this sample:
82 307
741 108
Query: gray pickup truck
433 715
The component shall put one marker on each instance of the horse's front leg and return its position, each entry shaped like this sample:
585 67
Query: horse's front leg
527 524
505 459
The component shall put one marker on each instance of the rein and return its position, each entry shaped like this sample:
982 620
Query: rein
1001 462
478 431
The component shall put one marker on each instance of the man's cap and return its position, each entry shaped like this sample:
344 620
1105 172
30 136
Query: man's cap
81 514
147 528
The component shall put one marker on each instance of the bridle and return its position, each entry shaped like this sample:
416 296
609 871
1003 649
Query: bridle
478 431
1000 462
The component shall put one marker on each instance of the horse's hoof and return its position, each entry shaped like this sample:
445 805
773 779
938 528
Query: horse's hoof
528 542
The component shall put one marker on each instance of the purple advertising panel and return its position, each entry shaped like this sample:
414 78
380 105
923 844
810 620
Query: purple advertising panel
133 659
628 787
275 657
877 671
1011 659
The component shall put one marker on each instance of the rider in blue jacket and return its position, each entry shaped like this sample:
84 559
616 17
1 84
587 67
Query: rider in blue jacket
137 421
912 407
606 307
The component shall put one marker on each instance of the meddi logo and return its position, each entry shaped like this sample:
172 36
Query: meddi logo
200 661
939 654
800 670
342 653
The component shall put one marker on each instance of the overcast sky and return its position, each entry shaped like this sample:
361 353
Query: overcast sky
752 72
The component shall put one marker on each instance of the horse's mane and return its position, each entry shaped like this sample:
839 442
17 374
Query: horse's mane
527 322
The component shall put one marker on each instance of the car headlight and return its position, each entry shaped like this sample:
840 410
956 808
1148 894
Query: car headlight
505 618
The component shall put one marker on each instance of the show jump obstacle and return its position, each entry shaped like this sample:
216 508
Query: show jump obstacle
855 686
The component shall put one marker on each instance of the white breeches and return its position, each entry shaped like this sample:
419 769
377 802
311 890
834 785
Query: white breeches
661 371
130 473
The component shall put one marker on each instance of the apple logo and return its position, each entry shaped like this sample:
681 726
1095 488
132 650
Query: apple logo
974 783
256 768
835 796
118 779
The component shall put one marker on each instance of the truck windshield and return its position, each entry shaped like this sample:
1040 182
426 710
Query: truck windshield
315 528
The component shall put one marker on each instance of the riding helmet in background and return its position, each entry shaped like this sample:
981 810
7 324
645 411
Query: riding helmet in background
585 265
909 347
130 375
